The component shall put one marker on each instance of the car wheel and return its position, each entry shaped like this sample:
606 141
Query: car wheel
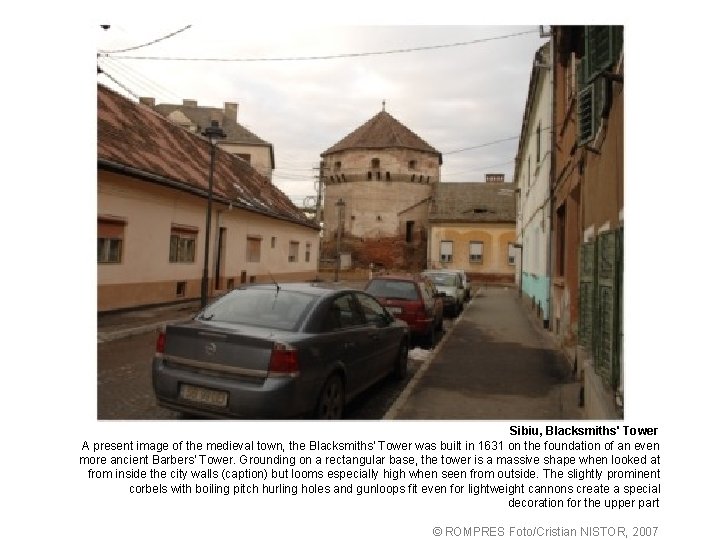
401 362
331 400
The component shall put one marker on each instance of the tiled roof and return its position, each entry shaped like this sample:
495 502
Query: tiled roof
135 138
382 131
473 202
201 116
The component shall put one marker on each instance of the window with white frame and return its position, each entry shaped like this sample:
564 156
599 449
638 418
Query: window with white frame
476 252
446 251
511 254
183 239
110 235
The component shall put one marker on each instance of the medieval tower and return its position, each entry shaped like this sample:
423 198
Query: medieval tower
382 175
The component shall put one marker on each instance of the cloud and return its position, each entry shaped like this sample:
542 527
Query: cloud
452 97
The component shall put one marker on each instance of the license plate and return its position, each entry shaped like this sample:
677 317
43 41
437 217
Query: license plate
395 310
205 396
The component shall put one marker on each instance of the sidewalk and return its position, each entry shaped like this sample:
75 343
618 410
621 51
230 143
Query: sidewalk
494 364
111 326
117 325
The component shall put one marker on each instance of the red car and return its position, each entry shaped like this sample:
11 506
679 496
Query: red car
413 299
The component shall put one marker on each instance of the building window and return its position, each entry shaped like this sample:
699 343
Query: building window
272 242
338 164
411 164
375 163
369 175
409 231
387 175
307 252
252 251
511 254
294 251
537 143
183 239
377 175
180 287
446 251
476 252
603 45
110 234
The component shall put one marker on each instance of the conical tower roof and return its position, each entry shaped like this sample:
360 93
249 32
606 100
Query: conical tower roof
382 131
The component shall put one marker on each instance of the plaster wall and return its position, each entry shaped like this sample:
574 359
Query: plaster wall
495 238
146 276
259 156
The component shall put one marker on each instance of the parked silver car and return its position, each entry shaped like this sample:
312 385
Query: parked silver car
450 283
278 351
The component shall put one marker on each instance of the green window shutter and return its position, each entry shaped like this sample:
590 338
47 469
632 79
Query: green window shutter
586 118
598 49
580 74
617 42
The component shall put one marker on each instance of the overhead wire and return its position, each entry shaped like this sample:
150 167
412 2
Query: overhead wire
147 86
324 57
148 43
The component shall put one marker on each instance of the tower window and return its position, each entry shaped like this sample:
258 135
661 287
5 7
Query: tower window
411 164
375 163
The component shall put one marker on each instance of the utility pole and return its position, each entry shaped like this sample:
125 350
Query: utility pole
318 199
341 218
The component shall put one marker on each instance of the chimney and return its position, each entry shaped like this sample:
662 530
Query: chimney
149 101
189 103
231 110
495 178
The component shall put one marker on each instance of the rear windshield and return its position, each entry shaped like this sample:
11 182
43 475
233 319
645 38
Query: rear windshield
444 280
386 288
283 310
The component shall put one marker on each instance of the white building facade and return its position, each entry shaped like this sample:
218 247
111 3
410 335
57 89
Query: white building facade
533 172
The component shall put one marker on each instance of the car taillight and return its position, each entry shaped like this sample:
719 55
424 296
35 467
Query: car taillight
283 361
160 342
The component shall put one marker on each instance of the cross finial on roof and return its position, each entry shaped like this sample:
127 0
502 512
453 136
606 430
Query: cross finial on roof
383 104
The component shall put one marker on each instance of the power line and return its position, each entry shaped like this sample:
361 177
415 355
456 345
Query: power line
113 79
148 43
479 169
481 145
143 83
325 57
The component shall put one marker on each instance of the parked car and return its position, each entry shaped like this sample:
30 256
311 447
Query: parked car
415 300
466 283
278 351
449 283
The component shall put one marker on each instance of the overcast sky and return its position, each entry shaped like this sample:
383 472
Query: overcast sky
453 97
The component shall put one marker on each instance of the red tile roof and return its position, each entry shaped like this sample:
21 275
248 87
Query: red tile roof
136 139
382 131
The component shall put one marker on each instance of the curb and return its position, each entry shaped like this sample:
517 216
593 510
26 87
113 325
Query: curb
112 335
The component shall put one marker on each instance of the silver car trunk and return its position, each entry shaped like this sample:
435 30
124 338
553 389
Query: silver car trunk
222 347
